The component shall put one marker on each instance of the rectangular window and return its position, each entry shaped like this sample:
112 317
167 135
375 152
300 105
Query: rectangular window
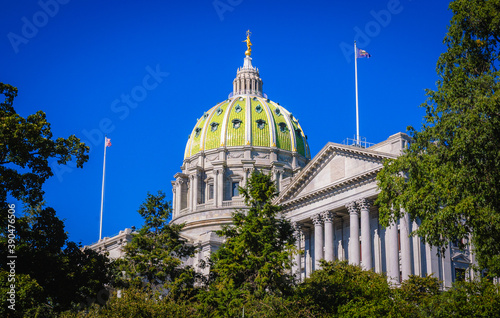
202 192
235 189
210 191
459 274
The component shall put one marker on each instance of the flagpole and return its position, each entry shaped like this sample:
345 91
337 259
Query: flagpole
102 190
356 79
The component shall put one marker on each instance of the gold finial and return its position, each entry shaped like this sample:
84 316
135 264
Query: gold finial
248 52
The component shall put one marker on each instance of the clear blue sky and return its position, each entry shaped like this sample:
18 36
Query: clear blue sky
78 61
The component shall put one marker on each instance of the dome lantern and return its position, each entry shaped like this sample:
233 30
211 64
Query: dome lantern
247 81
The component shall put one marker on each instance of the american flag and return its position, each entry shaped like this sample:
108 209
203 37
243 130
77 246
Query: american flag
108 142
363 53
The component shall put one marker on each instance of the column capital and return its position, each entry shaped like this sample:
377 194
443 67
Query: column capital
364 203
317 220
218 170
352 207
248 169
328 216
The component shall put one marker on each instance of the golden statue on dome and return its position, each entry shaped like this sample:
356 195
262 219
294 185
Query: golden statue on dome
248 52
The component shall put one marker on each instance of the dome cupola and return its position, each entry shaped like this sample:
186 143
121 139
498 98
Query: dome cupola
247 118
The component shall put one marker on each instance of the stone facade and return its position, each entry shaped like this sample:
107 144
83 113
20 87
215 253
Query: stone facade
329 198
113 245
330 203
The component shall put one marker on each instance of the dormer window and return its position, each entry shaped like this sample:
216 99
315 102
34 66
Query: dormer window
197 131
236 123
277 111
219 111
214 126
283 127
238 108
260 123
258 109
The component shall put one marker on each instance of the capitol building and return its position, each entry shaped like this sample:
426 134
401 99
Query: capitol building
328 197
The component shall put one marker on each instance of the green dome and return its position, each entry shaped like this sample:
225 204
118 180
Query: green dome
246 120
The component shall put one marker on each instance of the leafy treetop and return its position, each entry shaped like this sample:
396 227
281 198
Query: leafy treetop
26 145
449 178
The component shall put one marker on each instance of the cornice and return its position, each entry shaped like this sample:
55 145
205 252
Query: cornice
310 169
320 193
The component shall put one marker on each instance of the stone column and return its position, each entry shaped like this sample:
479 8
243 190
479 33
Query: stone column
318 240
417 253
432 260
473 274
297 267
404 236
216 182
328 219
295 163
278 179
392 250
220 186
308 262
178 193
377 249
247 172
446 267
195 186
189 193
366 244
174 199
353 233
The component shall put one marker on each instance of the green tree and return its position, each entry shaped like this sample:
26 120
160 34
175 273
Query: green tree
416 296
139 303
466 299
340 289
50 268
26 145
255 258
155 254
58 274
449 178
25 299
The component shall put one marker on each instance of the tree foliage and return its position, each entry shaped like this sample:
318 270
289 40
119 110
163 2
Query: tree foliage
255 259
449 178
26 145
56 272
154 256
466 299
50 269
340 289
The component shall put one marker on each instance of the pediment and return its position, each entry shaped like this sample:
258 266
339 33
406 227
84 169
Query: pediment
460 258
334 164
